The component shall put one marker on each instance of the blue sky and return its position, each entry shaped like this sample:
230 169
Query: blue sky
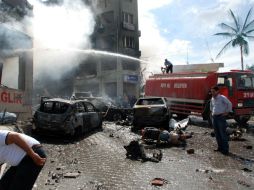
177 29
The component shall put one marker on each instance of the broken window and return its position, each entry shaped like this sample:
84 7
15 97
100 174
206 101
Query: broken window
54 107
154 101
89 107
80 107
88 67
109 64
130 65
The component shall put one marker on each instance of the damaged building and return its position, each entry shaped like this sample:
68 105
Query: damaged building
16 61
116 31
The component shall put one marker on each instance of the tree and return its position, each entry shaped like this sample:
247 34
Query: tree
251 67
239 33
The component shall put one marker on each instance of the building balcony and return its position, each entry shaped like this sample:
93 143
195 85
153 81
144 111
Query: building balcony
128 26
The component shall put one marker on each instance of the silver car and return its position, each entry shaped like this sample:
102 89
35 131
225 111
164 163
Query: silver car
68 117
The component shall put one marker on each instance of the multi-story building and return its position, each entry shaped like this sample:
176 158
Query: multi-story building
117 32
16 59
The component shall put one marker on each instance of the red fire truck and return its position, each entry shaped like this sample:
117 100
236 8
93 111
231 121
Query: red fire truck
188 93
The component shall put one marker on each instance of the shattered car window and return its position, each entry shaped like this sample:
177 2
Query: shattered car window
155 101
80 107
54 107
89 107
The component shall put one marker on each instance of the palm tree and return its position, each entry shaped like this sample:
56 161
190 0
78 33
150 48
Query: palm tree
239 34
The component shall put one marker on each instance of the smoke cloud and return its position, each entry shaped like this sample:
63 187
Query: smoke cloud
59 29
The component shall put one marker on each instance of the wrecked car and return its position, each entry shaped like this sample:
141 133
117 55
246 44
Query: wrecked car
151 112
68 117
108 109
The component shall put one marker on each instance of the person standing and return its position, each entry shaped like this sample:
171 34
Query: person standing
220 107
26 157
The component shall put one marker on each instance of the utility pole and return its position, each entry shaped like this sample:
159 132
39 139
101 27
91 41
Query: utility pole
187 58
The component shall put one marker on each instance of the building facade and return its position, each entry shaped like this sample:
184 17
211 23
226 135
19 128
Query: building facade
16 59
116 32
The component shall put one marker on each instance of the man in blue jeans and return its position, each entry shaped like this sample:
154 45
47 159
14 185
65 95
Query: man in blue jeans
220 107
25 156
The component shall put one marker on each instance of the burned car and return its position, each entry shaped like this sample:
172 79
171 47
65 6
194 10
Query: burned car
151 112
68 117
110 111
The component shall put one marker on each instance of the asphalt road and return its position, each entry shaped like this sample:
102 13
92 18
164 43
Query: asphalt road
98 161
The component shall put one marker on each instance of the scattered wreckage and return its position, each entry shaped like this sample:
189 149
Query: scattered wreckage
175 136
137 150
68 117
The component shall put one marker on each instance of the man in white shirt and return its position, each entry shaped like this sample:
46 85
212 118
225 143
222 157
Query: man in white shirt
220 107
25 156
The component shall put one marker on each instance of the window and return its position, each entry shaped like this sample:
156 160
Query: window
54 107
128 18
80 107
89 107
245 81
130 65
102 3
224 81
109 64
128 42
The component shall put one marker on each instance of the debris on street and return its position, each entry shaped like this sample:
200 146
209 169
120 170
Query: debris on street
190 151
136 151
71 175
158 181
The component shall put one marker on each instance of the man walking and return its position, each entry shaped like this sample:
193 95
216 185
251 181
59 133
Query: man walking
220 107
25 156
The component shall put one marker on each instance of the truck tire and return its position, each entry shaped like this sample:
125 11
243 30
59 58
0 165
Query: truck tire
242 120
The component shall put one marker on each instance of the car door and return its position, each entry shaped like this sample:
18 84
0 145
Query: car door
81 116
94 119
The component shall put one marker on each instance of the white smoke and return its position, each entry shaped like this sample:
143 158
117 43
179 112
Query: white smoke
56 30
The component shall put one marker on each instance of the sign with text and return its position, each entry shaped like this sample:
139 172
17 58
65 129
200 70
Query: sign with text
130 78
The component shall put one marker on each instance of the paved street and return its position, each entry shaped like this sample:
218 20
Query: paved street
98 162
